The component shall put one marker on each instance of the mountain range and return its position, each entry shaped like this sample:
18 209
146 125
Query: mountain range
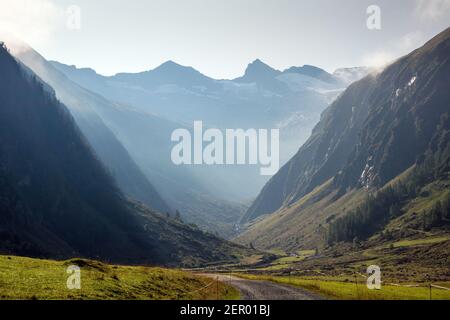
158 101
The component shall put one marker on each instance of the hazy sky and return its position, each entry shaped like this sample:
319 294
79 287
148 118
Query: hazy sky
219 38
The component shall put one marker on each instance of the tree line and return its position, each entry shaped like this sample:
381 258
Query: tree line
386 204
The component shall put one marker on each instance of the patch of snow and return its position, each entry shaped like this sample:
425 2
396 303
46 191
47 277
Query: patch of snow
411 82
367 176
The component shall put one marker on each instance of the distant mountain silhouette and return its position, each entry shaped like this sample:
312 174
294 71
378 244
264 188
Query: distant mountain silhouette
258 71
169 73
317 73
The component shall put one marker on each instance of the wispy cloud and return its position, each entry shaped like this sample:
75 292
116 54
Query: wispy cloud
411 41
383 57
432 9
32 21
378 59
426 11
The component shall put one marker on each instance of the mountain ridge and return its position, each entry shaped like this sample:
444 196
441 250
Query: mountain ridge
83 105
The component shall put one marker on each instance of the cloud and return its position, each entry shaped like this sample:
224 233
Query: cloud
32 21
432 10
411 41
383 57
378 59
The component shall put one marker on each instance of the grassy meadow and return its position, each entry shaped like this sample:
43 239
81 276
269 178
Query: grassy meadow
25 278
357 290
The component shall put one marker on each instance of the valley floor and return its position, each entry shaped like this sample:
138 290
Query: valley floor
411 268
25 279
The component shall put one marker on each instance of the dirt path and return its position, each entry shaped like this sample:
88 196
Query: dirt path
265 290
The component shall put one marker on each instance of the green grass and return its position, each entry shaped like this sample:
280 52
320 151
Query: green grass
275 267
286 261
306 253
277 252
418 242
354 291
283 263
249 260
412 216
25 278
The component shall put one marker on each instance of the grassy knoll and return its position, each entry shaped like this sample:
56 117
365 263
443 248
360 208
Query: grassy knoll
286 261
25 278
334 289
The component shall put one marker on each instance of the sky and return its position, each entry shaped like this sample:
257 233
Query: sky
221 37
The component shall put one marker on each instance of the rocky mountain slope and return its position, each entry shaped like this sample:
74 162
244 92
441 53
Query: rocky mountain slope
374 133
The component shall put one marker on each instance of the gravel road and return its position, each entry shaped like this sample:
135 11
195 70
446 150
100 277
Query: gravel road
265 290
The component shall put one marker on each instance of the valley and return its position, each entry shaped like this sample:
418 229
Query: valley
172 97
279 184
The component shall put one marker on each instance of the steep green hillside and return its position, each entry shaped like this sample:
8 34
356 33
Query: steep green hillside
56 198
